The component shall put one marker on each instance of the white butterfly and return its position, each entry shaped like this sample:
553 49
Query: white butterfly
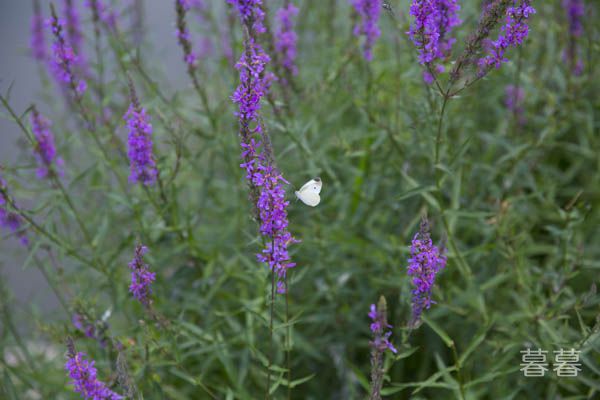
309 192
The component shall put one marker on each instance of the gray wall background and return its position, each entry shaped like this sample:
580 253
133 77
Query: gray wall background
17 67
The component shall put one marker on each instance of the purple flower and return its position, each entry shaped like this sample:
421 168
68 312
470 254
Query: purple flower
514 102
84 379
45 151
368 12
512 34
141 159
73 25
96 331
379 344
379 328
183 35
141 277
266 182
251 14
10 219
102 13
425 261
286 37
575 11
431 28
38 39
64 60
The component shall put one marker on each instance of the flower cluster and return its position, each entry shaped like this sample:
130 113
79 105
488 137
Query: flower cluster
84 379
286 37
379 328
64 60
368 12
513 101
575 11
431 28
9 219
425 261
512 34
265 180
141 160
45 150
141 277
38 39
251 14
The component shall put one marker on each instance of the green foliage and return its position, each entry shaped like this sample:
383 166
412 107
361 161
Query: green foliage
516 204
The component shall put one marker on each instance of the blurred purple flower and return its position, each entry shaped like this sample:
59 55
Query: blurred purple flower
251 14
45 150
84 379
10 219
183 35
513 101
575 10
38 39
141 277
425 261
286 37
104 13
64 60
512 34
368 12
141 159
379 328
73 25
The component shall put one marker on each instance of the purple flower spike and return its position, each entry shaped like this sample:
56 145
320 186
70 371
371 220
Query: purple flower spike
431 28
84 379
425 261
265 181
45 150
103 13
514 102
38 39
379 344
141 277
9 219
64 60
512 34
368 12
286 37
251 14
141 159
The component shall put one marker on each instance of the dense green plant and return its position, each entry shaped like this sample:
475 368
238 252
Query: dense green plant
513 197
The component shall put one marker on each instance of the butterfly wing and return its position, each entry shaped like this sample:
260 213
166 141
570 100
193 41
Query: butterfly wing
314 185
309 197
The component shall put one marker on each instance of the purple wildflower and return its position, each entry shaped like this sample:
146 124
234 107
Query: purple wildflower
430 30
141 277
368 12
378 328
251 14
512 34
9 219
265 180
64 60
38 39
84 379
424 264
73 25
379 344
286 37
141 159
183 35
513 101
102 13
575 11
45 151
93 330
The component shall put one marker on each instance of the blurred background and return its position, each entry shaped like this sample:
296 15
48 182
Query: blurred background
18 68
